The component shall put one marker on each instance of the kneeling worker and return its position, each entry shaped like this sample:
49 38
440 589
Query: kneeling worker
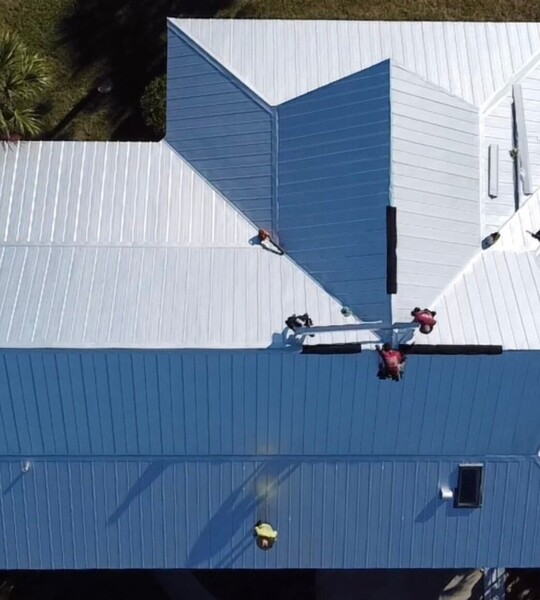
265 535
425 318
393 363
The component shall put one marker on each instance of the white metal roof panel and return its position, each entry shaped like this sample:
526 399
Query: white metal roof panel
435 168
280 60
495 300
498 128
121 297
102 194
124 245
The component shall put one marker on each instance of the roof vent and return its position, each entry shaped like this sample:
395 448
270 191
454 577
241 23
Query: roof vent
493 170
446 493
468 493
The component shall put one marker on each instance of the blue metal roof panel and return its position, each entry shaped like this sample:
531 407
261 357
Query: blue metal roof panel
221 128
353 513
163 403
333 186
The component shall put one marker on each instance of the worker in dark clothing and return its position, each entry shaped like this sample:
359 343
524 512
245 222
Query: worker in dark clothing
392 363
425 318
295 322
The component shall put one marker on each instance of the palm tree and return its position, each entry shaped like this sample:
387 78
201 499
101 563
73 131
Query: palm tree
22 78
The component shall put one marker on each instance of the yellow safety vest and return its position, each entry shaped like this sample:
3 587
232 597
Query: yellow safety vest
264 530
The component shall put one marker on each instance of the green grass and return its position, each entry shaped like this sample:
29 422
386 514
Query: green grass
85 40
414 10
38 23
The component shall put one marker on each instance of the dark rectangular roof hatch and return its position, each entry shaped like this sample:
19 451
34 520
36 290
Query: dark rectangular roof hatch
469 489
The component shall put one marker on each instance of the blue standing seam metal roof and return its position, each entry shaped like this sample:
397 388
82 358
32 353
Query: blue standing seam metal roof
135 464
371 512
333 190
247 403
167 458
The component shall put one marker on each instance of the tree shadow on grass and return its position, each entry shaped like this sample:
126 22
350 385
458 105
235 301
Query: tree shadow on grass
129 39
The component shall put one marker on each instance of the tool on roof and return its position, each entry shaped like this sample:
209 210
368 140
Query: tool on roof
536 235
266 241
425 318
491 239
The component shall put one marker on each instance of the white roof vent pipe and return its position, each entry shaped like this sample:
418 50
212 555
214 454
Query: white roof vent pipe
445 493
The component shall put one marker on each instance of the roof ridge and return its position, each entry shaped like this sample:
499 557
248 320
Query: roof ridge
499 248
522 73
202 49
395 63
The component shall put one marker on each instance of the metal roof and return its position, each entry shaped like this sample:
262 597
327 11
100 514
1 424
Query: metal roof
134 463
339 155
435 188
103 194
334 170
221 129
443 118
124 245
280 60
495 300
143 204
331 513
498 126
95 403
166 458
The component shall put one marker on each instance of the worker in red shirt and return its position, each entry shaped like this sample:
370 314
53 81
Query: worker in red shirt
393 363
425 318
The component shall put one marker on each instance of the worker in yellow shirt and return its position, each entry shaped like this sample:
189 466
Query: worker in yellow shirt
265 535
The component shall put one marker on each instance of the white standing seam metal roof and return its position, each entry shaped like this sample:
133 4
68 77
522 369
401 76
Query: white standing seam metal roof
498 127
124 245
280 60
495 299
451 99
435 166
163 260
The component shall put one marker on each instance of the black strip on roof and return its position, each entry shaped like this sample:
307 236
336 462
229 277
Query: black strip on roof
391 245
451 349
332 349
